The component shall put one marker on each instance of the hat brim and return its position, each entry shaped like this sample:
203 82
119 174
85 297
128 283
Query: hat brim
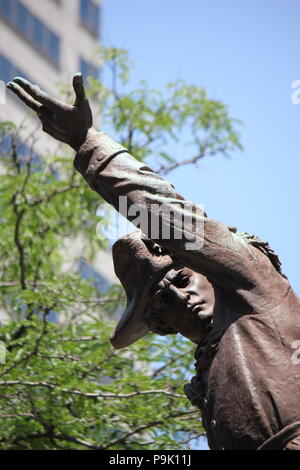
131 326
138 265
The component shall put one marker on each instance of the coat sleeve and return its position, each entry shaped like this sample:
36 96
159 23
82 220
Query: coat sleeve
202 244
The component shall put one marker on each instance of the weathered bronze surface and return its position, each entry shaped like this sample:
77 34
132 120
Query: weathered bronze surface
228 294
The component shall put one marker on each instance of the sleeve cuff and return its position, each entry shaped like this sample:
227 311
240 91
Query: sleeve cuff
95 150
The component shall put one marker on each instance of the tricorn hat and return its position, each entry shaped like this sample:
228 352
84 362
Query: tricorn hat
138 263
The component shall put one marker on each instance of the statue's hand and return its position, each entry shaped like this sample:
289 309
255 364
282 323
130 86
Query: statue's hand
66 123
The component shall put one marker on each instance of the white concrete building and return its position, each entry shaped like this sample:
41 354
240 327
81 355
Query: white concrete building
46 41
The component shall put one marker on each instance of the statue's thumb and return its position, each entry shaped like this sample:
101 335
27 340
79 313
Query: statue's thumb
78 88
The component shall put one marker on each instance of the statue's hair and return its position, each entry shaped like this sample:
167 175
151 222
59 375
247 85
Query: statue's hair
262 246
156 322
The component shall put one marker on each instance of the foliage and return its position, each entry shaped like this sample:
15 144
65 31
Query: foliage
147 121
63 386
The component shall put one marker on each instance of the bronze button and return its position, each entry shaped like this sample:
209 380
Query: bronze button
213 424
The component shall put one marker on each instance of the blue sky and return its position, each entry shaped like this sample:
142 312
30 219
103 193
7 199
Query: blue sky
245 53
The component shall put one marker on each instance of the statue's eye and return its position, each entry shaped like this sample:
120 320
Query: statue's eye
181 280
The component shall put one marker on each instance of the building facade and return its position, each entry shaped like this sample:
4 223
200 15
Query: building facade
46 41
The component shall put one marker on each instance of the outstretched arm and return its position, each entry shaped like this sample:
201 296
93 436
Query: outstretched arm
200 243
204 245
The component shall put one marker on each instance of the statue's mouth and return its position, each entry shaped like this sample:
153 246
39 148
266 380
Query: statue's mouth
196 309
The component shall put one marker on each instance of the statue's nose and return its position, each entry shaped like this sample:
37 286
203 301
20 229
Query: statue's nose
180 296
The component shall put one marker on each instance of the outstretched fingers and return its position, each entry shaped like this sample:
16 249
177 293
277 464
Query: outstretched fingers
25 97
39 95
78 88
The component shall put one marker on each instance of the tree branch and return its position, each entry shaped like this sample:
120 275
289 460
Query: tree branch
31 353
104 395
164 169
49 196
144 427
18 243
51 435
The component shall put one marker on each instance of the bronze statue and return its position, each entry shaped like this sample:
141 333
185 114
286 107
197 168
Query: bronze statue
225 292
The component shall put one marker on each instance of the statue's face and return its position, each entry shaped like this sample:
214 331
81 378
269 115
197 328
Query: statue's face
185 302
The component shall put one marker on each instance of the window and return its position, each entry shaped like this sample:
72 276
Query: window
54 46
88 70
52 317
6 8
38 31
88 272
34 30
8 70
23 19
90 13
84 10
22 150
5 71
